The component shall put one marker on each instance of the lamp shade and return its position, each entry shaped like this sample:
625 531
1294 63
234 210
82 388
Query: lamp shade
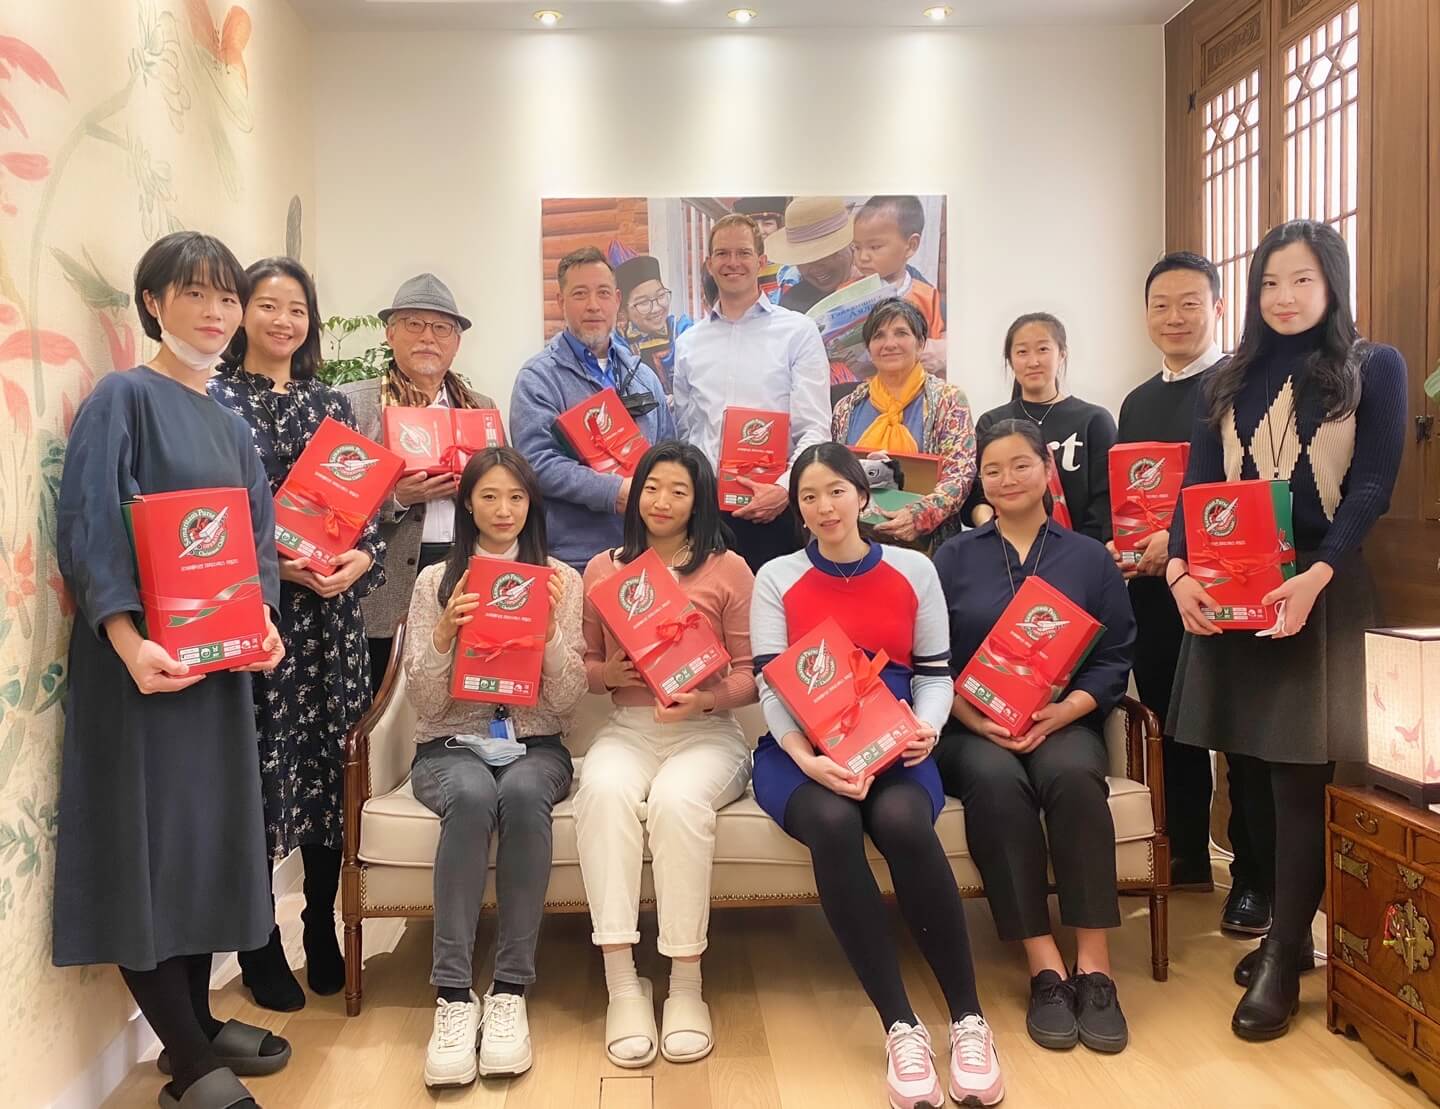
1402 710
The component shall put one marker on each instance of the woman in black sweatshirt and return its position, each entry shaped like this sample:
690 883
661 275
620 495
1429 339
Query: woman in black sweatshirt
1080 434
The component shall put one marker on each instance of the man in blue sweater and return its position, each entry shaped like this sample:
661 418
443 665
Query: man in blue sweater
583 509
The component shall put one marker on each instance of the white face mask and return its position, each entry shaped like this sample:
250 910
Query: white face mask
191 356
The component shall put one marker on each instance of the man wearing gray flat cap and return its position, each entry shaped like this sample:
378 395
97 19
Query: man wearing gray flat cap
423 327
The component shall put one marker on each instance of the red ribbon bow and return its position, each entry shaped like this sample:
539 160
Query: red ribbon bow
668 633
764 462
294 493
486 650
865 678
1149 520
1218 567
613 442
999 653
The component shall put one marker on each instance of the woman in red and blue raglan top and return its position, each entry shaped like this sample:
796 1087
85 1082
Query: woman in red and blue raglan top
885 598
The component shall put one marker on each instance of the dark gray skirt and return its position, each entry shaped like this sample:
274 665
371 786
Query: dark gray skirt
1299 699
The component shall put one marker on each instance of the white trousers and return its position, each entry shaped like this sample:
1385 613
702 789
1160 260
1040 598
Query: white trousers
667 781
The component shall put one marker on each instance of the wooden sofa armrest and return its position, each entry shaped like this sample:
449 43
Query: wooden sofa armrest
357 749
1145 754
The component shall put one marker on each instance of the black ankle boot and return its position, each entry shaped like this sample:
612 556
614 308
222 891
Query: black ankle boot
1274 995
324 965
266 974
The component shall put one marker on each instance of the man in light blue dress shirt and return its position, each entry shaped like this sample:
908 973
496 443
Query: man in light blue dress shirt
750 353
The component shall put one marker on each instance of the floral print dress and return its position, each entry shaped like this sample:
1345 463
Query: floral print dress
304 708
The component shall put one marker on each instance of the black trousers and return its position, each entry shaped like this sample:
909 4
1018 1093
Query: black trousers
1004 795
1188 783
380 646
757 544
1299 791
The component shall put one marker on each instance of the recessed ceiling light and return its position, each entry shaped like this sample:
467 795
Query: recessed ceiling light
742 15
938 12
548 17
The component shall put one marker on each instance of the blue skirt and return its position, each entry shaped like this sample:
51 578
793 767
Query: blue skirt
776 777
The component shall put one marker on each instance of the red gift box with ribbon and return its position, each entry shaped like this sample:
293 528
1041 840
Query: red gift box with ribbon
329 495
754 444
1239 546
1029 657
498 654
835 692
603 434
673 646
1145 480
199 577
440 440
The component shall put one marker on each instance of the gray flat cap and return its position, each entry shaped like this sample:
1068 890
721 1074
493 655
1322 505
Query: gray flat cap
428 292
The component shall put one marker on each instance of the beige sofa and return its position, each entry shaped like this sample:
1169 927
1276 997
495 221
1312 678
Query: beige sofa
390 838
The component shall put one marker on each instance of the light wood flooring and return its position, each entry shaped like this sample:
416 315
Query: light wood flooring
794 1030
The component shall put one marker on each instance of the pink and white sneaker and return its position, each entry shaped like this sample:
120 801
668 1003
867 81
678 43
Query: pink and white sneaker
974 1067
910 1075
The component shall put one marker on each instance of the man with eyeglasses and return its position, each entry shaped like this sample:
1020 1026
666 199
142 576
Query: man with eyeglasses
583 509
750 353
422 327
646 323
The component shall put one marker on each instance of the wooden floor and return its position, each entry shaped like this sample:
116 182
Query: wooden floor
794 1030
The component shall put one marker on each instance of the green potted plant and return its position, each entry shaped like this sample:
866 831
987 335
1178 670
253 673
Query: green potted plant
338 332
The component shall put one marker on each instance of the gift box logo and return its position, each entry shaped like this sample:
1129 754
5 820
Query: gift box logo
1042 622
510 592
598 418
349 462
1219 517
415 440
756 433
636 595
815 667
202 533
1145 474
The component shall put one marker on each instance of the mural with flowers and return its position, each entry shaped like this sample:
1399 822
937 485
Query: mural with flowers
146 123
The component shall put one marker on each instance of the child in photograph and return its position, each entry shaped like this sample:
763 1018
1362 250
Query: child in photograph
647 325
887 235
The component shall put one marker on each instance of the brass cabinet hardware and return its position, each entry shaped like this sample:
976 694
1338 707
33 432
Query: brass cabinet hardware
1407 933
1366 823
1351 945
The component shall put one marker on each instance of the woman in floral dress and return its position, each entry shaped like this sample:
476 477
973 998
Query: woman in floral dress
304 708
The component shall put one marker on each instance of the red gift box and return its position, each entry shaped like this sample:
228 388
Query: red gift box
603 434
440 440
499 653
754 444
1238 547
834 690
335 486
1060 509
1029 657
672 645
199 578
1145 480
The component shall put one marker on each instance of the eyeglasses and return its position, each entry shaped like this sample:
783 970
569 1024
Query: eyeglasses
441 329
660 300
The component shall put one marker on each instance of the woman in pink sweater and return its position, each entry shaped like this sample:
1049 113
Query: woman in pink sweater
677 765
484 767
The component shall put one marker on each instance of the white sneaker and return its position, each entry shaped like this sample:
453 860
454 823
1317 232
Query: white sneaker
974 1067
505 1035
910 1074
450 1056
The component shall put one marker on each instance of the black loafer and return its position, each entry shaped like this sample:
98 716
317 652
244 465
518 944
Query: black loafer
1191 876
1050 1019
1245 968
1264 1013
1246 911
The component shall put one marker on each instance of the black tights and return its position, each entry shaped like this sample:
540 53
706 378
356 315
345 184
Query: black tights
897 815
1299 791
175 998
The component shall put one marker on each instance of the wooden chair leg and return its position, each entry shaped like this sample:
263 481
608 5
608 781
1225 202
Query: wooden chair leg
1160 935
354 965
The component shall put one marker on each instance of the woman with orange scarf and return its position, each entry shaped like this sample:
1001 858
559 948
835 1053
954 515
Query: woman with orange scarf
903 409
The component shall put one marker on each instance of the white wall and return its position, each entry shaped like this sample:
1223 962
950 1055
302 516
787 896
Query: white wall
433 151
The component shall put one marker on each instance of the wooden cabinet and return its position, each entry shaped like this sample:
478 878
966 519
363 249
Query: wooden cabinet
1382 915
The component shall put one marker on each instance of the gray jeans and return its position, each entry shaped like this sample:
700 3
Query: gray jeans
471 798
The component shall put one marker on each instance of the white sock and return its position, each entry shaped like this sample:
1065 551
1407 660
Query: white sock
685 979
622 981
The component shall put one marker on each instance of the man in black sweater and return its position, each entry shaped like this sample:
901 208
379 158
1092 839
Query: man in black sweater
1183 307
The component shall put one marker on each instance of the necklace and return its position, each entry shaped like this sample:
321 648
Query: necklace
1052 402
1277 449
1044 534
841 574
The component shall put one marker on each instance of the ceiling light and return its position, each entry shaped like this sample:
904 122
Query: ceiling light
742 15
938 12
548 17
